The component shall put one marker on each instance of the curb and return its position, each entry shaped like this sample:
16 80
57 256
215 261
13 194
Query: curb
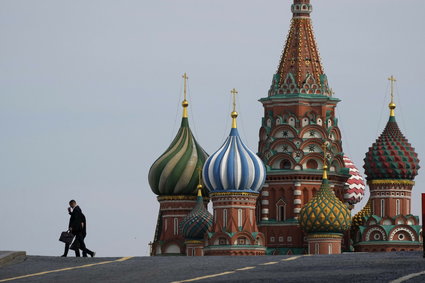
10 257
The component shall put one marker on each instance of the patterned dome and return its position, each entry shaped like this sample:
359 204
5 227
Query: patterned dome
391 156
198 221
358 219
234 167
176 172
325 213
355 186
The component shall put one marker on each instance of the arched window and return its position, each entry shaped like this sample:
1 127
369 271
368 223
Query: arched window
382 208
176 226
165 224
285 164
225 218
397 207
330 249
312 164
316 248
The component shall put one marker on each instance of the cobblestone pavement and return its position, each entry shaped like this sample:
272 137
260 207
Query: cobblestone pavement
352 267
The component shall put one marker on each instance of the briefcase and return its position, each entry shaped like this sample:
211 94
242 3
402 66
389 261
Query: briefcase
66 237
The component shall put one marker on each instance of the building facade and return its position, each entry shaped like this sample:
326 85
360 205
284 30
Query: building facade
278 201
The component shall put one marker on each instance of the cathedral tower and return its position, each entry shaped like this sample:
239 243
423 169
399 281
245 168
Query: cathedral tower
391 165
324 218
174 178
234 175
299 116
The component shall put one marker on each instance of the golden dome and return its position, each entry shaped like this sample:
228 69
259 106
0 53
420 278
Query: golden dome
358 219
325 212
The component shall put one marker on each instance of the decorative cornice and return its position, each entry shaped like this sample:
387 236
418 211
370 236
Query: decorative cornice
193 242
162 198
390 182
217 194
325 235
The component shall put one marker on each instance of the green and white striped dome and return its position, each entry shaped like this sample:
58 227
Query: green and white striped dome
176 171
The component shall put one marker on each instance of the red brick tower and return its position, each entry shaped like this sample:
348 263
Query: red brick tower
174 178
234 176
391 165
299 116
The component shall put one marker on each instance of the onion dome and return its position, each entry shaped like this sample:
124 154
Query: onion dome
358 219
234 167
198 221
355 186
391 156
325 212
175 171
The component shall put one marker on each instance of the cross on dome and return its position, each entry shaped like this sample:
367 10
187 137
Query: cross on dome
185 103
234 114
392 105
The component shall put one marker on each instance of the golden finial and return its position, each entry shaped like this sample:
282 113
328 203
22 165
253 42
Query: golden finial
199 187
325 167
392 104
185 103
234 114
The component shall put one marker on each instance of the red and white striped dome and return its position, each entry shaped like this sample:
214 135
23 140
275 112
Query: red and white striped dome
355 186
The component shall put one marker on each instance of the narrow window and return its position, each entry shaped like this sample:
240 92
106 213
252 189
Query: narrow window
397 207
165 224
251 216
239 217
225 218
176 226
330 249
382 208
316 248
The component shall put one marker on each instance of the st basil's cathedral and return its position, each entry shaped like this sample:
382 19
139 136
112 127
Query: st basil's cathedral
296 194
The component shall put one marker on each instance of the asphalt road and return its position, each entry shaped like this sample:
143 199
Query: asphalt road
353 267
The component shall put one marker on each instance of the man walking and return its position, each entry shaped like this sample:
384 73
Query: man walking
77 226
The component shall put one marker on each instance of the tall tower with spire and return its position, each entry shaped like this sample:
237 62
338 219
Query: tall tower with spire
391 165
234 175
299 116
174 178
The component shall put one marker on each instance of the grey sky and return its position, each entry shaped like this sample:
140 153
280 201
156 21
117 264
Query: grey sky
90 96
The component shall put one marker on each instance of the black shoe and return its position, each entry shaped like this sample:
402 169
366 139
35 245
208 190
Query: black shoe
93 254
63 255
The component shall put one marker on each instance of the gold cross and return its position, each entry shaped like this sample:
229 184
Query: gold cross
392 80
234 92
185 78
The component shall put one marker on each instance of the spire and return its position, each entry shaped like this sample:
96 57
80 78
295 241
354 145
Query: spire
185 103
392 104
234 114
300 69
325 167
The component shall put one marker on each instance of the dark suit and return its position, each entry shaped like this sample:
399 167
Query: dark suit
78 227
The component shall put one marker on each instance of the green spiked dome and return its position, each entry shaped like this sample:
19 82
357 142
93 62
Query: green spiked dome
176 172
325 212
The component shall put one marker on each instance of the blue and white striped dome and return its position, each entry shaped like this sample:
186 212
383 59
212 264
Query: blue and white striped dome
234 168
